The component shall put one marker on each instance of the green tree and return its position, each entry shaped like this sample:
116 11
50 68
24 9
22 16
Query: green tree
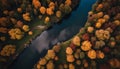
67 9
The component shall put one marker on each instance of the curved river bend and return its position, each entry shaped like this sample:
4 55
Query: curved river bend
57 33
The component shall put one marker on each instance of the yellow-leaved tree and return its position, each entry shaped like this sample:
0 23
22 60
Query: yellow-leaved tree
8 50
25 28
58 13
15 33
26 17
30 33
47 19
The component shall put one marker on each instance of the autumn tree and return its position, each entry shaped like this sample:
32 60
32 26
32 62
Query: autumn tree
13 20
36 3
19 24
58 13
47 19
15 33
19 10
8 50
30 33
6 12
29 8
11 13
49 11
25 28
52 5
4 21
67 9
26 17
3 30
61 7
2 38
68 2
42 10
35 11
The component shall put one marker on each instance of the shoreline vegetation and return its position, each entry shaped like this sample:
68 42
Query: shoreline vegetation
96 46
23 20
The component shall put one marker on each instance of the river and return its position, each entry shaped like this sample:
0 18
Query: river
58 33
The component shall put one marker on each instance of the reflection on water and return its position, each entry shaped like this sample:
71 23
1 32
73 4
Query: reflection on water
57 33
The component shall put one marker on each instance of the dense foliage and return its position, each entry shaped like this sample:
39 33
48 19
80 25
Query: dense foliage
96 46
20 18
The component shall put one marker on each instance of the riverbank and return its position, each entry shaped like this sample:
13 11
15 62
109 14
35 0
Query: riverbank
33 33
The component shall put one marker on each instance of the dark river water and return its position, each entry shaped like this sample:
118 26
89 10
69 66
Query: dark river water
58 33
